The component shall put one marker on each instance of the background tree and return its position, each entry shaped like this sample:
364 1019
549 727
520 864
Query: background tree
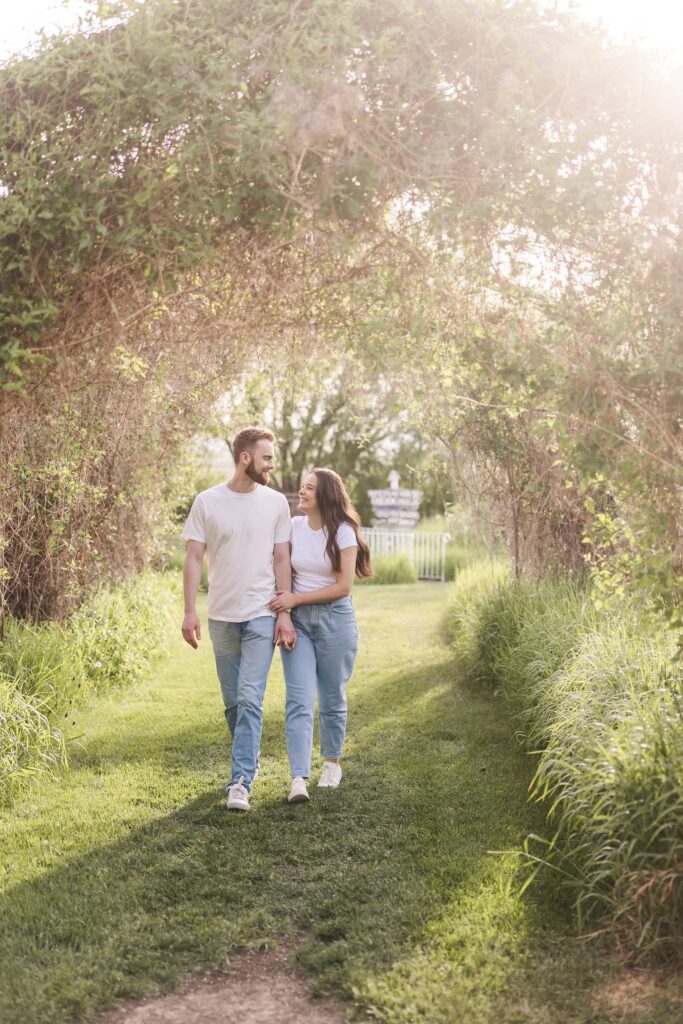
325 411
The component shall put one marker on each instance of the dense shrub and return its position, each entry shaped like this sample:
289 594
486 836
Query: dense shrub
602 700
48 670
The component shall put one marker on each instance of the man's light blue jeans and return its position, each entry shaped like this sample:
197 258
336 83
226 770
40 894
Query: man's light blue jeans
243 652
322 661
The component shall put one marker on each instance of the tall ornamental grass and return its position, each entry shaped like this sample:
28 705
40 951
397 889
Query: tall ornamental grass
600 697
48 670
460 554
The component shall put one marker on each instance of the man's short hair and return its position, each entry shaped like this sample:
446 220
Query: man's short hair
246 439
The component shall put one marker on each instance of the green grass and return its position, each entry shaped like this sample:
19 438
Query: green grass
126 873
599 692
48 670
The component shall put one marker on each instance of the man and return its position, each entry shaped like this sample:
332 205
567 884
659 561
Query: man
243 525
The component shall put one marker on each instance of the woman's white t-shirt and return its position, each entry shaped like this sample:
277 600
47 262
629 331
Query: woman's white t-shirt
311 567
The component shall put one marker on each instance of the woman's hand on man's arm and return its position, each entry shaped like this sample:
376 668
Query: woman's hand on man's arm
340 588
283 601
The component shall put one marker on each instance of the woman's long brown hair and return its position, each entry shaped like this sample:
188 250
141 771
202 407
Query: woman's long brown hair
336 508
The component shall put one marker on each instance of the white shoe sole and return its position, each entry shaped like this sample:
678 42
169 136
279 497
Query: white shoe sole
298 798
235 807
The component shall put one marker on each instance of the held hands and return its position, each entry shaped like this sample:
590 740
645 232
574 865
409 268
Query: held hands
191 629
285 634
282 602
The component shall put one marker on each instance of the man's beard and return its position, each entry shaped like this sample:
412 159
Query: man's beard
258 478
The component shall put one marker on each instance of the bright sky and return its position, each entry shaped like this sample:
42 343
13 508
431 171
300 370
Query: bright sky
655 23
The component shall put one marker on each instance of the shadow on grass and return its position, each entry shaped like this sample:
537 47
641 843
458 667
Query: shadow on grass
184 744
433 781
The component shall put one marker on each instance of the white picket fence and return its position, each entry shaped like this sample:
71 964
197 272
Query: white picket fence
426 550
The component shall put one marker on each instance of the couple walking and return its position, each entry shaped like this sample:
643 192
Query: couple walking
265 566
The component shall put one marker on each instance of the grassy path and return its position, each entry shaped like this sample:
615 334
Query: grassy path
125 874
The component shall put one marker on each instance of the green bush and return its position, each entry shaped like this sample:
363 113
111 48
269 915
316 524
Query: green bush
175 561
48 670
602 700
119 631
393 569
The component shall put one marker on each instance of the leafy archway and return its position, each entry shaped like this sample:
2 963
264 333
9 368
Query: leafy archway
480 200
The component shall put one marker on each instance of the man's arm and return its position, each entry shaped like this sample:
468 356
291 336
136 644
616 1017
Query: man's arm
282 566
192 574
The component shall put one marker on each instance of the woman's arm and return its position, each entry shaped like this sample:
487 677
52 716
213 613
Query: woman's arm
340 588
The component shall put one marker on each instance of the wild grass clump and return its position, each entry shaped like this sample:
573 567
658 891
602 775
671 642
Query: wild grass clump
459 556
393 569
48 670
601 698
28 744
475 588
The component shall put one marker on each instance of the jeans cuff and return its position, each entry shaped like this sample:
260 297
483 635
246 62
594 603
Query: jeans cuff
247 785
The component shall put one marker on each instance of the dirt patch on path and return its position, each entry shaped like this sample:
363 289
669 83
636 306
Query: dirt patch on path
256 988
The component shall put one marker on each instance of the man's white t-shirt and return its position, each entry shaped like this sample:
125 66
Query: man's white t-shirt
239 531
311 567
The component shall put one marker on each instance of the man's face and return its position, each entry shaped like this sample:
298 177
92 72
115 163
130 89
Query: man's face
261 462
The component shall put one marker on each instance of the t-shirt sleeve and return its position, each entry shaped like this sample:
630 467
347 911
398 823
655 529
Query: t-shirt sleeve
195 524
283 524
346 537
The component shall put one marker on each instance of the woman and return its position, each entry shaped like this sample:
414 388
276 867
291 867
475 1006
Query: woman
327 552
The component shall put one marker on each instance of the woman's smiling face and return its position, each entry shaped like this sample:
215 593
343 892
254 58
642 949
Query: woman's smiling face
307 494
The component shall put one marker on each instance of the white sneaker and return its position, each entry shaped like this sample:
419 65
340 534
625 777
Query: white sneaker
298 794
238 796
330 776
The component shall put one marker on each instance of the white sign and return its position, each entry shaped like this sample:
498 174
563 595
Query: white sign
394 499
396 508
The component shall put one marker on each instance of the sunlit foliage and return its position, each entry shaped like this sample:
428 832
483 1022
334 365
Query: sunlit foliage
480 198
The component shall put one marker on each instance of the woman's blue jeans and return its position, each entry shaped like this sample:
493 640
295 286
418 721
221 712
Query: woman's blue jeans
322 662
243 652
